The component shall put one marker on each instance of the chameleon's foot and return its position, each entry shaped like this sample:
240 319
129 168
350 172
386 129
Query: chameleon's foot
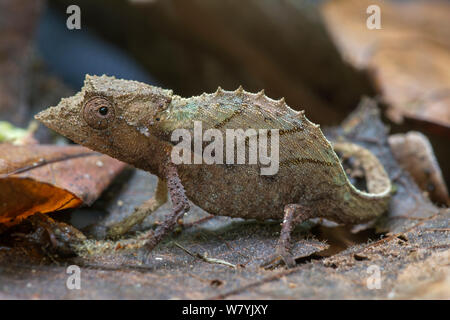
180 207
293 214
275 260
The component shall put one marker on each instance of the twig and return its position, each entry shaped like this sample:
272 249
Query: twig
437 229
206 259
200 221
271 278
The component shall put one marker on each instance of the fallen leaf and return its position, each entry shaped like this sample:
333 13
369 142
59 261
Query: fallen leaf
415 154
427 279
47 178
408 58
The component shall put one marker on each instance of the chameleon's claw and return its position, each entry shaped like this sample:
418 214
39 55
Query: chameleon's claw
277 259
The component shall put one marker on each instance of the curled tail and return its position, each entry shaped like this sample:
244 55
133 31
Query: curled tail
365 206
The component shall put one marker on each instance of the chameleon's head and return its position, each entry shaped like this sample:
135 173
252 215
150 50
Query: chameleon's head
109 115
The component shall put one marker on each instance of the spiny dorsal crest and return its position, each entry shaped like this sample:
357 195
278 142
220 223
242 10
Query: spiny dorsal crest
239 91
219 92
259 98
261 93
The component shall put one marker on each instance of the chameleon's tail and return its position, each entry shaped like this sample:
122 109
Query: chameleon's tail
373 203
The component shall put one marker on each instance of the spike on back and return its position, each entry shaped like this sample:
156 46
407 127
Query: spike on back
300 114
219 91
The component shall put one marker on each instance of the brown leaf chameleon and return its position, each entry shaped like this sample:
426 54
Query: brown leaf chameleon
133 122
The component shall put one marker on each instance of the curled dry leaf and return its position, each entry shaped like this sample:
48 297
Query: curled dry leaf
415 154
47 178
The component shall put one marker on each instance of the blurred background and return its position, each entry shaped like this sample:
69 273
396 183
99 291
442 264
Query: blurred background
319 55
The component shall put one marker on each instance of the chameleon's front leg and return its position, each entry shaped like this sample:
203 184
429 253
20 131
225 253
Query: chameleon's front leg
180 205
140 213
293 214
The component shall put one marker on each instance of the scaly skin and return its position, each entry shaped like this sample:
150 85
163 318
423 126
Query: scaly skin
137 128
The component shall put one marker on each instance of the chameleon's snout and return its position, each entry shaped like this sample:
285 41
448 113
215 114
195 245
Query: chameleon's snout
45 116
49 117
42 116
60 117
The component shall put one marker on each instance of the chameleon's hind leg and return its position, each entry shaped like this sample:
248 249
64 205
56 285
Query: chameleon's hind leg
180 205
293 214
140 213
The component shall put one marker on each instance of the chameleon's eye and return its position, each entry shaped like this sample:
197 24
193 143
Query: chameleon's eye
103 111
98 112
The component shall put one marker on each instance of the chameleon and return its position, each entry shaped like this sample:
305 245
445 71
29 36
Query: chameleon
133 122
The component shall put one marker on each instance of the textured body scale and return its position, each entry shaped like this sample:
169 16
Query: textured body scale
321 184
133 122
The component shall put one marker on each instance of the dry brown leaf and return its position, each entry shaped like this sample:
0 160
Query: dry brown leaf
415 154
47 178
409 57
427 279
